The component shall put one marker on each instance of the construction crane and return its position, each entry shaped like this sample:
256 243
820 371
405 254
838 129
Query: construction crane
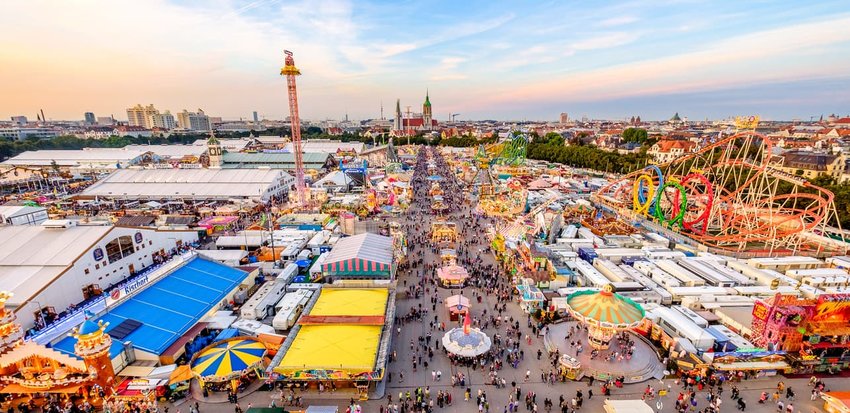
290 71
454 115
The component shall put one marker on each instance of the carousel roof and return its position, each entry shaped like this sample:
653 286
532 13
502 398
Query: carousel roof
227 358
605 306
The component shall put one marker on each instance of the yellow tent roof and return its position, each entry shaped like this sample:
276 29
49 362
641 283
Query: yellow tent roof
348 348
351 301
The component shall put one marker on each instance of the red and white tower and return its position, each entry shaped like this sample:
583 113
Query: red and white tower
290 71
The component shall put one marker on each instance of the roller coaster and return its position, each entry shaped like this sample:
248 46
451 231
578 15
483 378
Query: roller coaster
732 197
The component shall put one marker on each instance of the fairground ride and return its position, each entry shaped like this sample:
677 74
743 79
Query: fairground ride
731 196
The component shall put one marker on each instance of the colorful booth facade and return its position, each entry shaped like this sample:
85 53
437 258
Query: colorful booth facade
814 332
27 367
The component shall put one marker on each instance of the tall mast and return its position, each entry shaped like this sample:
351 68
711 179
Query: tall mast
290 71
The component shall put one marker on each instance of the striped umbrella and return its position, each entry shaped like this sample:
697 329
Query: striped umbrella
229 359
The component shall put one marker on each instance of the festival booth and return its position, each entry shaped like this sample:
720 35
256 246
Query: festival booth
217 223
765 363
443 232
438 204
569 367
530 297
452 276
229 364
448 256
457 305
140 390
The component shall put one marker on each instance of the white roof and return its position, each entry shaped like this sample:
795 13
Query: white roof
10 211
224 255
368 246
229 144
31 257
186 183
324 146
336 178
170 151
75 156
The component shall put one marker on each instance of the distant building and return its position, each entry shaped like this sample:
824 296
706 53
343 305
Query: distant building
565 118
163 121
256 118
136 131
19 120
194 121
669 150
105 120
20 133
90 118
811 164
141 116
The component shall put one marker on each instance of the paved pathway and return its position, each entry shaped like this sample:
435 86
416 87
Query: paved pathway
498 398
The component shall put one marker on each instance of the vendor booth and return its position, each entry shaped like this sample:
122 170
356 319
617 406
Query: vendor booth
452 276
218 223
457 305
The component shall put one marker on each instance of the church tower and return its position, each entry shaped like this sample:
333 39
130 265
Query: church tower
397 123
426 113
214 151
93 347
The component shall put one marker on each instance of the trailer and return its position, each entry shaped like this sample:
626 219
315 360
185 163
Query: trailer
610 270
710 275
676 324
261 304
679 292
616 255
687 278
842 262
694 317
816 272
589 276
289 309
664 296
783 264
570 231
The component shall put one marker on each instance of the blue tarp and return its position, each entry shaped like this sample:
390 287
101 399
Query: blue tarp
226 333
173 305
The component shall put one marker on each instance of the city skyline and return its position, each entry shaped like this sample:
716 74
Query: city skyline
484 60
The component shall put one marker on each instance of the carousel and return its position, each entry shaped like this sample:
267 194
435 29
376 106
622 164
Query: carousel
448 256
226 364
435 189
443 232
452 276
438 204
605 313
466 341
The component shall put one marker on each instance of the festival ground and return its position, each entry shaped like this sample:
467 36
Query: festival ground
418 219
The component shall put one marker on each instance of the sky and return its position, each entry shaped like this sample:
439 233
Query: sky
504 60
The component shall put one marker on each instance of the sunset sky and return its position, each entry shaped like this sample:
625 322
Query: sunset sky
483 59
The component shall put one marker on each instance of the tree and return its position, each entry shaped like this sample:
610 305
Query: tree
554 139
637 135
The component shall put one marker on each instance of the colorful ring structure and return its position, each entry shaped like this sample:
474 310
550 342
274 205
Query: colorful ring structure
678 209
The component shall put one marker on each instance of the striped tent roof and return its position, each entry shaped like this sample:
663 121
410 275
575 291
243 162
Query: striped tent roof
361 255
605 308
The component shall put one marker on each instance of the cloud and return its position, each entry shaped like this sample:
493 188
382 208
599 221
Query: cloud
451 62
617 21
759 57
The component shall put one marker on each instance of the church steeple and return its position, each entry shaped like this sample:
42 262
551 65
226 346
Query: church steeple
427 124
397 124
